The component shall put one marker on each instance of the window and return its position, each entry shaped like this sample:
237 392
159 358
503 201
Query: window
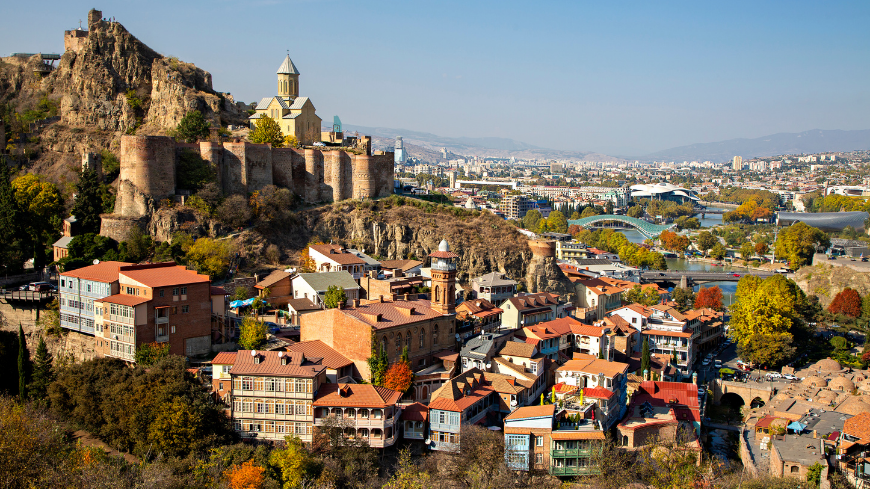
435 335
89 287
172 329
539 441
539 459
422 335
398 343
175 291
184 291
161 293
185 309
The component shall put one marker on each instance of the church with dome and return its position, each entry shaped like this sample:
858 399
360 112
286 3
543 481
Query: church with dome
295 115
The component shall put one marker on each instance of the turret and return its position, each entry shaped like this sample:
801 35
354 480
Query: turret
288 79
443 279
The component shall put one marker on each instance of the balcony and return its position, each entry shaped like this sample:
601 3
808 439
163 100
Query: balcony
161 338
571 471
571 453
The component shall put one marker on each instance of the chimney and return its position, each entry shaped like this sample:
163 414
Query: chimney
394 296
406 297
380 298
355 303
815 434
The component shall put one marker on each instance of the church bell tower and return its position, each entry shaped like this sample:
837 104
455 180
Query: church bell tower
444 279
288 79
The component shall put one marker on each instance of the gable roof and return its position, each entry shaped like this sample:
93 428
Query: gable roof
337 254
461 392
298 103
162 274
594 365
493 279
518 349
532 412
393 313
124 299
287 67
322 281
302 304
859 427
534 301
356 395
270 364
273 278
224 358
318 349
105 271
403 265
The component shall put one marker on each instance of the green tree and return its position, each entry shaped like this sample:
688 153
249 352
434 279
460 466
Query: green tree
706 241
267 131
335 296
865 306
645 364
588 212
148 354
608 207
684 297
718 252
575 215
192 172
635 211
192 127
557 223
293 463
11 257
253 333
43 372
88 203
531 219
799 242
23 359
40 204
746 250
647 296
378 363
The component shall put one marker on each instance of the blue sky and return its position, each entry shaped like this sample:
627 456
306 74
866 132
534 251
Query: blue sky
622 78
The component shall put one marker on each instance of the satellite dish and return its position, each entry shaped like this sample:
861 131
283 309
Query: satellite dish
253 353
514 402
428 442
280 354
96 260
488 365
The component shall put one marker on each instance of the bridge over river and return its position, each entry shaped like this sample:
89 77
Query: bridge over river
697 277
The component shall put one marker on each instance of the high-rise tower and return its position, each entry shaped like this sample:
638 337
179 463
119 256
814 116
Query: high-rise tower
444 279
401 157
288 79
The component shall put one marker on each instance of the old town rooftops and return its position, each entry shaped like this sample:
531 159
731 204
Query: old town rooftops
337 254
518 349
105 271
162 274
356 395
461 392
318 349
124 300
493 279
393 313
593 365
534 301
547 410
276 364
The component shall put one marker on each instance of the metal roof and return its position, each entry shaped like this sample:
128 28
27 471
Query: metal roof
322 281
298 102
287 67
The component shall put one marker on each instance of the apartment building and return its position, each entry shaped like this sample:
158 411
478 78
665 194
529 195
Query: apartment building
603 385
272 393
158 302
372 412
80 288
516 206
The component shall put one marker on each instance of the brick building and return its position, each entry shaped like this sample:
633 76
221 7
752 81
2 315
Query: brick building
667 412
159 302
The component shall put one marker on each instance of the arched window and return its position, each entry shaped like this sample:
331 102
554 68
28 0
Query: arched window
408 340
424 393
435 335
624 441
422 335
384 343
437 295
398 343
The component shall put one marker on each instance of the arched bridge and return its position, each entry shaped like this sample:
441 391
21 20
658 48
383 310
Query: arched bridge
647 229
698 277
747 391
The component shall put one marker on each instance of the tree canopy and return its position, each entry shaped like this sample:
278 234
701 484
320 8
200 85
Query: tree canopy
847 302
88 203
646 296
334 297
709 297
253 333
267 131
799 242
192 128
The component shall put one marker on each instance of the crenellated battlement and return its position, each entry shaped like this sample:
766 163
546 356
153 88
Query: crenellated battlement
148 165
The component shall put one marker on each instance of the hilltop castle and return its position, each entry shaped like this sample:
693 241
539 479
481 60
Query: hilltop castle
295 115
148 166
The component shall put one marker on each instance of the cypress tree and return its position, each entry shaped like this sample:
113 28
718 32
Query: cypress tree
645 357
88 201
43 371
10 247
22 364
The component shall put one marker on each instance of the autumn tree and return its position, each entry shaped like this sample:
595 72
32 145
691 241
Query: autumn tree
150 353
210 256
684 297
291 141
253 333
267 131
234 211
709 297
706 241
799 242
306 263
335 296
761 249
399 376
846 302
647 296
718 251
673 241
245 476
588 212
293 463
41 205
557 223
746 250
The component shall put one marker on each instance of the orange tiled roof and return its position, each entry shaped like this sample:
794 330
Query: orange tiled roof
461 392
318 349
578 435
598 392
339 255
858 426
532 412
224 358
124 300
415 412
270 364
162 274
517 349
356 395
592 364
105 271
393 313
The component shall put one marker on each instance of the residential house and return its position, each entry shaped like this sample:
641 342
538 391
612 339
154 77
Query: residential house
477 316
624 337
539 438
529 309
276 288
793 455
598 295
157 302
465 400
665 329
314 286
415 418
401 268
662 412
512 391
297 307
339 369
71 227
524 362
546 340
371 265
80 288
852 447
273 394
479 351
393 287
334 258
372 412
428 379
493 287
221 380
603 385
708 329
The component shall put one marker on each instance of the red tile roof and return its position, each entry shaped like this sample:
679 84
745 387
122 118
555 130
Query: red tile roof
124 300
318 349
461 392
270 364
598 393
681 397
338 254
356 395
393 313
532 412
526 303
224 358
162 274
415 412
105 271
859 427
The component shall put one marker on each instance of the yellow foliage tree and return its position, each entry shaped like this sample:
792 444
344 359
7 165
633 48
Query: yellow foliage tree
176 428
210 256
267 131
291 141
293 463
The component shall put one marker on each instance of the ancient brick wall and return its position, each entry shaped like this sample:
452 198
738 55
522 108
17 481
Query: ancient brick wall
311 191
282 166
74 40
362 177
258 166
232 169
213 153
147 174
382 170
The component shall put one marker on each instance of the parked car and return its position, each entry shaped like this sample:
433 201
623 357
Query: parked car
717 363
273 328
706 362
789 377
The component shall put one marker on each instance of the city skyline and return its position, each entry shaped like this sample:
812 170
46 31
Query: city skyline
622 81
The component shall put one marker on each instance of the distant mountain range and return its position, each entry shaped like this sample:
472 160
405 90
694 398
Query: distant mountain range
814 141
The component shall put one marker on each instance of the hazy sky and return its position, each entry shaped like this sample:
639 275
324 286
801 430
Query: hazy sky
622 78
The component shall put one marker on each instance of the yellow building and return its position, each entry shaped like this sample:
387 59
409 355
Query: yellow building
295 115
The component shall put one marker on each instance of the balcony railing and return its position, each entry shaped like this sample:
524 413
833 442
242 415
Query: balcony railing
573 452
568 471
161 338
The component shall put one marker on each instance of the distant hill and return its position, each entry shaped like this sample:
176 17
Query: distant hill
427 146
814 141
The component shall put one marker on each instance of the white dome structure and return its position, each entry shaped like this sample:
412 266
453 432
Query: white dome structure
443 246
663 191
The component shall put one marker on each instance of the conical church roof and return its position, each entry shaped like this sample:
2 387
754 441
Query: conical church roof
287 67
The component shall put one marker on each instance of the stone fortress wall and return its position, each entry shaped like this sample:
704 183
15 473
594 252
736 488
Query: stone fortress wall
148 164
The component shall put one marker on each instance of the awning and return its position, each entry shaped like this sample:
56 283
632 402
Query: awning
246 302
796 427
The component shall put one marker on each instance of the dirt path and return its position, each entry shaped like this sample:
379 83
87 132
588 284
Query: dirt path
90 440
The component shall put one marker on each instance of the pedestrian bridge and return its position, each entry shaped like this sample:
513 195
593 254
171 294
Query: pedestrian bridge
647 229
698 277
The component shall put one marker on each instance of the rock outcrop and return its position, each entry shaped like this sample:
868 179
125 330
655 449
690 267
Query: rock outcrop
826 281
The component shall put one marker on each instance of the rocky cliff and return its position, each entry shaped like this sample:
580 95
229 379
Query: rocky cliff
825 281
110 84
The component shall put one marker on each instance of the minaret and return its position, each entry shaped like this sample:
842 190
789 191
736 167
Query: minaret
443 279
288 79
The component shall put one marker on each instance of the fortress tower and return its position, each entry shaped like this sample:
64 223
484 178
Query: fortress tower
443 279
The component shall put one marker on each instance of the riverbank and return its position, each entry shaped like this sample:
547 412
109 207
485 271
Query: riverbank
718 204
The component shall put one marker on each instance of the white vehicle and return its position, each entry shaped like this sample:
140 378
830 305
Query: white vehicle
789 377
706 362
718 363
